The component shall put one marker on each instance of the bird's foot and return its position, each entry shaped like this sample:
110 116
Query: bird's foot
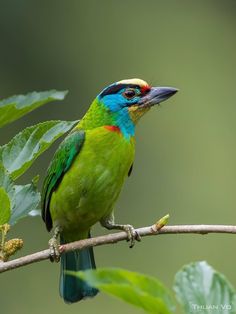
54 246
131 234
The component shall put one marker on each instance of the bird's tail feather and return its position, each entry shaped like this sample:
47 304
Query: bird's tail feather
73 289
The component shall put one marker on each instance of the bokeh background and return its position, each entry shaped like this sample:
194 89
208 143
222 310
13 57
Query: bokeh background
186 151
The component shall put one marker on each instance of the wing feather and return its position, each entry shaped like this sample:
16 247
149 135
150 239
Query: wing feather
60 164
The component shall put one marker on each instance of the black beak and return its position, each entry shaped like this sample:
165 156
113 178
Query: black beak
157 95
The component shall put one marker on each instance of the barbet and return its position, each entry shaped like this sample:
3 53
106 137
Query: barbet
88 170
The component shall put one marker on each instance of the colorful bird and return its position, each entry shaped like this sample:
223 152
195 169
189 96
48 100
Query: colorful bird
87 172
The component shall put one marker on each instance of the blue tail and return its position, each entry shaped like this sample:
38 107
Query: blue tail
73 289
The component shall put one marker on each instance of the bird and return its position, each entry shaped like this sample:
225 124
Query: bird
87 173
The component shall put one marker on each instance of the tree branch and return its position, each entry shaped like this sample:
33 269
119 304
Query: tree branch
156 229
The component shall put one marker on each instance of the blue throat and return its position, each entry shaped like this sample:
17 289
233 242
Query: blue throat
119 114
125 123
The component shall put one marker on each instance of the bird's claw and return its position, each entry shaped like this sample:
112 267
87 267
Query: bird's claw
54 250
132 235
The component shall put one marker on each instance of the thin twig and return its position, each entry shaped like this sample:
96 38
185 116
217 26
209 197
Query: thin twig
114 238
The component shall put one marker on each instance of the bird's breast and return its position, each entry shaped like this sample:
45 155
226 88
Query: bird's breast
91 186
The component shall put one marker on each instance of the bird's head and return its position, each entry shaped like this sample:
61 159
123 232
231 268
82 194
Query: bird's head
133 96
122 104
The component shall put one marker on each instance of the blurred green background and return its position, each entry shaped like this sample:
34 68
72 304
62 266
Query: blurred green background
185 160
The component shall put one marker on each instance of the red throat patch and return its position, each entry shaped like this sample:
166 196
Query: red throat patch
112 128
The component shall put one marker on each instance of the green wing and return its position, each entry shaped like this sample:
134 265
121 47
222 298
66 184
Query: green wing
61 162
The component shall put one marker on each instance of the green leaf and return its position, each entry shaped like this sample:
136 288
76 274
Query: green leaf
7 183
14 107
142 291
27 199
201 289
19 154
5 205
24 199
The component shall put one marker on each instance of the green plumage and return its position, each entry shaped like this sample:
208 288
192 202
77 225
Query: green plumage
88 190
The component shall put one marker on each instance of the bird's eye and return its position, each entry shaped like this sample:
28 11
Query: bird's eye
129 93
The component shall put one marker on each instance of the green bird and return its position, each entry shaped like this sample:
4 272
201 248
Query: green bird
87 172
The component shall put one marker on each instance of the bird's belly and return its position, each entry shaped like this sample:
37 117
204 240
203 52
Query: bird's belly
90 188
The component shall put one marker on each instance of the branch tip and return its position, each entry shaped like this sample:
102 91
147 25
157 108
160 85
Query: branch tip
160 223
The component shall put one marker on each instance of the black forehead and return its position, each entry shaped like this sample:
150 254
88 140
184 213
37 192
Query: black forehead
115 88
